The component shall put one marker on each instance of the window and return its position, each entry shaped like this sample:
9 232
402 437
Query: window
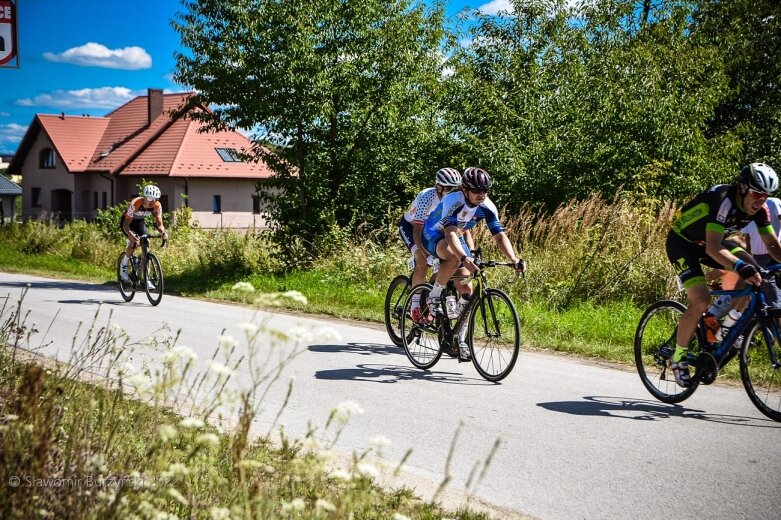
105 200
217 204
228 154
256 204
95 200
46 158
36 196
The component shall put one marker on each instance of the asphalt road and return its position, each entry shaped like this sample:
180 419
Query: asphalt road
577 439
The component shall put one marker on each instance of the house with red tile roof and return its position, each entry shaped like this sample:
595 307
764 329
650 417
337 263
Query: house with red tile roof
72 166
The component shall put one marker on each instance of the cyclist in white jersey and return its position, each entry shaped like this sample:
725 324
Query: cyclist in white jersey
444 235
411 224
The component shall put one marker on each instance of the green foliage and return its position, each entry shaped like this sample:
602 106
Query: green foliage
345 97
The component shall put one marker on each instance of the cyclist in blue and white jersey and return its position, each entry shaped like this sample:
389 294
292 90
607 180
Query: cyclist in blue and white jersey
411 224
444 235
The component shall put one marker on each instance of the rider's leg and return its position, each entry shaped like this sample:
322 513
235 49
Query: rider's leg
421 267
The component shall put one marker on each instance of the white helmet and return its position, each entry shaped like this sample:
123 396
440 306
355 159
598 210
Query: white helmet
448 177
759 177
151 192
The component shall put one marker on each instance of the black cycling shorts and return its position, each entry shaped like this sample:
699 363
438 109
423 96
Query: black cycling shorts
688 258
137 226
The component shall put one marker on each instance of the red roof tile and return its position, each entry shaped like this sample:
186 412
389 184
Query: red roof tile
74 137
125 143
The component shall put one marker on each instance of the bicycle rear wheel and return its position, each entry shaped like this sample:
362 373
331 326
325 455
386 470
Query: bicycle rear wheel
421 340
397 293
494 335
654 346
126 288
760 379
153 279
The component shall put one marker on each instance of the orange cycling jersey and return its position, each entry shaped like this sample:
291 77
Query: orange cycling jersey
137 211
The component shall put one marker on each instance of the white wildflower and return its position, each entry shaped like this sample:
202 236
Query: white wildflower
243 287
166 432
185 352
141 382
300 334
191 422
11 417
379 443
219 369
368 470
176 495
322 505
339 474
346 409
297 504
227 342
250 329
117 330
399 516
296 296
220 513
207 439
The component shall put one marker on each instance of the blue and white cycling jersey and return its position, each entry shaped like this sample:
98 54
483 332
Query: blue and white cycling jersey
454 211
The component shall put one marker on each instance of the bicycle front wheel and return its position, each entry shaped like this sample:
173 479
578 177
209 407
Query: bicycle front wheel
421 340
494 335
397 293
654 346
761 379
153 279
126 288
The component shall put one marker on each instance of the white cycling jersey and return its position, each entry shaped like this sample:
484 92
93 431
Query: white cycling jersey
422 206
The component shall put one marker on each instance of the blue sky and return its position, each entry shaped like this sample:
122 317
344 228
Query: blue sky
91 56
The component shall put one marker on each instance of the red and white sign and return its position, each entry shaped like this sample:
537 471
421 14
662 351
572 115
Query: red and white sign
7 31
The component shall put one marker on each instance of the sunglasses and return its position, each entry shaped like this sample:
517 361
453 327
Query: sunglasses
477 191
149 200
757 194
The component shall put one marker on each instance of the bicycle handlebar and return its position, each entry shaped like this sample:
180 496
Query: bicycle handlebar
162 244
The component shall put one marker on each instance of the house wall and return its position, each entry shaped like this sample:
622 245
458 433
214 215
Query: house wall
236 209
47 180
7 206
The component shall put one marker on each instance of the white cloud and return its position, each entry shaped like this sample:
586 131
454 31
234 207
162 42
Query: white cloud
96 55
11 133
104 97
494 6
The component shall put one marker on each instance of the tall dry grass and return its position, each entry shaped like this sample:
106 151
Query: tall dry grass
592 250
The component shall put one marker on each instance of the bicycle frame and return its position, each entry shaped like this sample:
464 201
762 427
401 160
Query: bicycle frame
757 309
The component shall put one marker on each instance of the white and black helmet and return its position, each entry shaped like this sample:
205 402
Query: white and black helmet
759 177
448 177
151 192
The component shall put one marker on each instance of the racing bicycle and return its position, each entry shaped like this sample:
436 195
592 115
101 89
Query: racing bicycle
755 337
397 293
144 271
493 333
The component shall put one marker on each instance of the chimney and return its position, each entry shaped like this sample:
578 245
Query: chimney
154 103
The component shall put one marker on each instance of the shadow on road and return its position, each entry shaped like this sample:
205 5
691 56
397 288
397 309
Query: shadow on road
638 409
58 284
395 374
92 301
366 349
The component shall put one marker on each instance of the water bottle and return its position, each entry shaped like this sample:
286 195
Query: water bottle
450 302
729 321
462 303
720 305
411 263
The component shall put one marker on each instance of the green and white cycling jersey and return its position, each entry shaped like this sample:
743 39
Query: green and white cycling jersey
716 210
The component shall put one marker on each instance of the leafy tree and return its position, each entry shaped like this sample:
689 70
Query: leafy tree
562 102
747 36
342 96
